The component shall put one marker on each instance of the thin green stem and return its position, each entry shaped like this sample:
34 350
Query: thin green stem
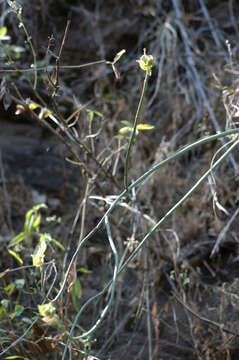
178 154
179 203
109 303
29 40
126 169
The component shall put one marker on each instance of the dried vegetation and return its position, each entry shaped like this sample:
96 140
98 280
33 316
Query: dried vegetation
179 297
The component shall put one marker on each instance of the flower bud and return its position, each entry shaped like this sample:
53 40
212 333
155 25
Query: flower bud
146 62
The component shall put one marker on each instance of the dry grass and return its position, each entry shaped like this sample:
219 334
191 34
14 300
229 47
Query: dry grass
171 301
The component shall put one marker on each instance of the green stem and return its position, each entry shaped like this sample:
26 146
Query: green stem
178 154
32 49
104 312
179 203
135 252
126 169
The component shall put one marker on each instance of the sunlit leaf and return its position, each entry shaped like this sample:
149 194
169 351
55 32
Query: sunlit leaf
37 222
16 256
98 113
58 244
127 123
31 217
125 129
84 270
39 253
3 31
145 127
33 106
15 357
3 34
91 115
17 239
39 206
4 273
47 309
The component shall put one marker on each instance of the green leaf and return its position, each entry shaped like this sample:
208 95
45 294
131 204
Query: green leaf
28 226
91 115
32 221
38 207
76 294
77 290
33 105
84 270
3 31
3 34
125 130
3 312
58 244
4 273
15 357
144 127
5 339
46 237
17 312
9 289
19 309
47 309
17 257
120 137
17 239
98 113
39 253
127 123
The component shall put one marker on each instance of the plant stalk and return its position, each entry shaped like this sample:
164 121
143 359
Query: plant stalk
126 169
